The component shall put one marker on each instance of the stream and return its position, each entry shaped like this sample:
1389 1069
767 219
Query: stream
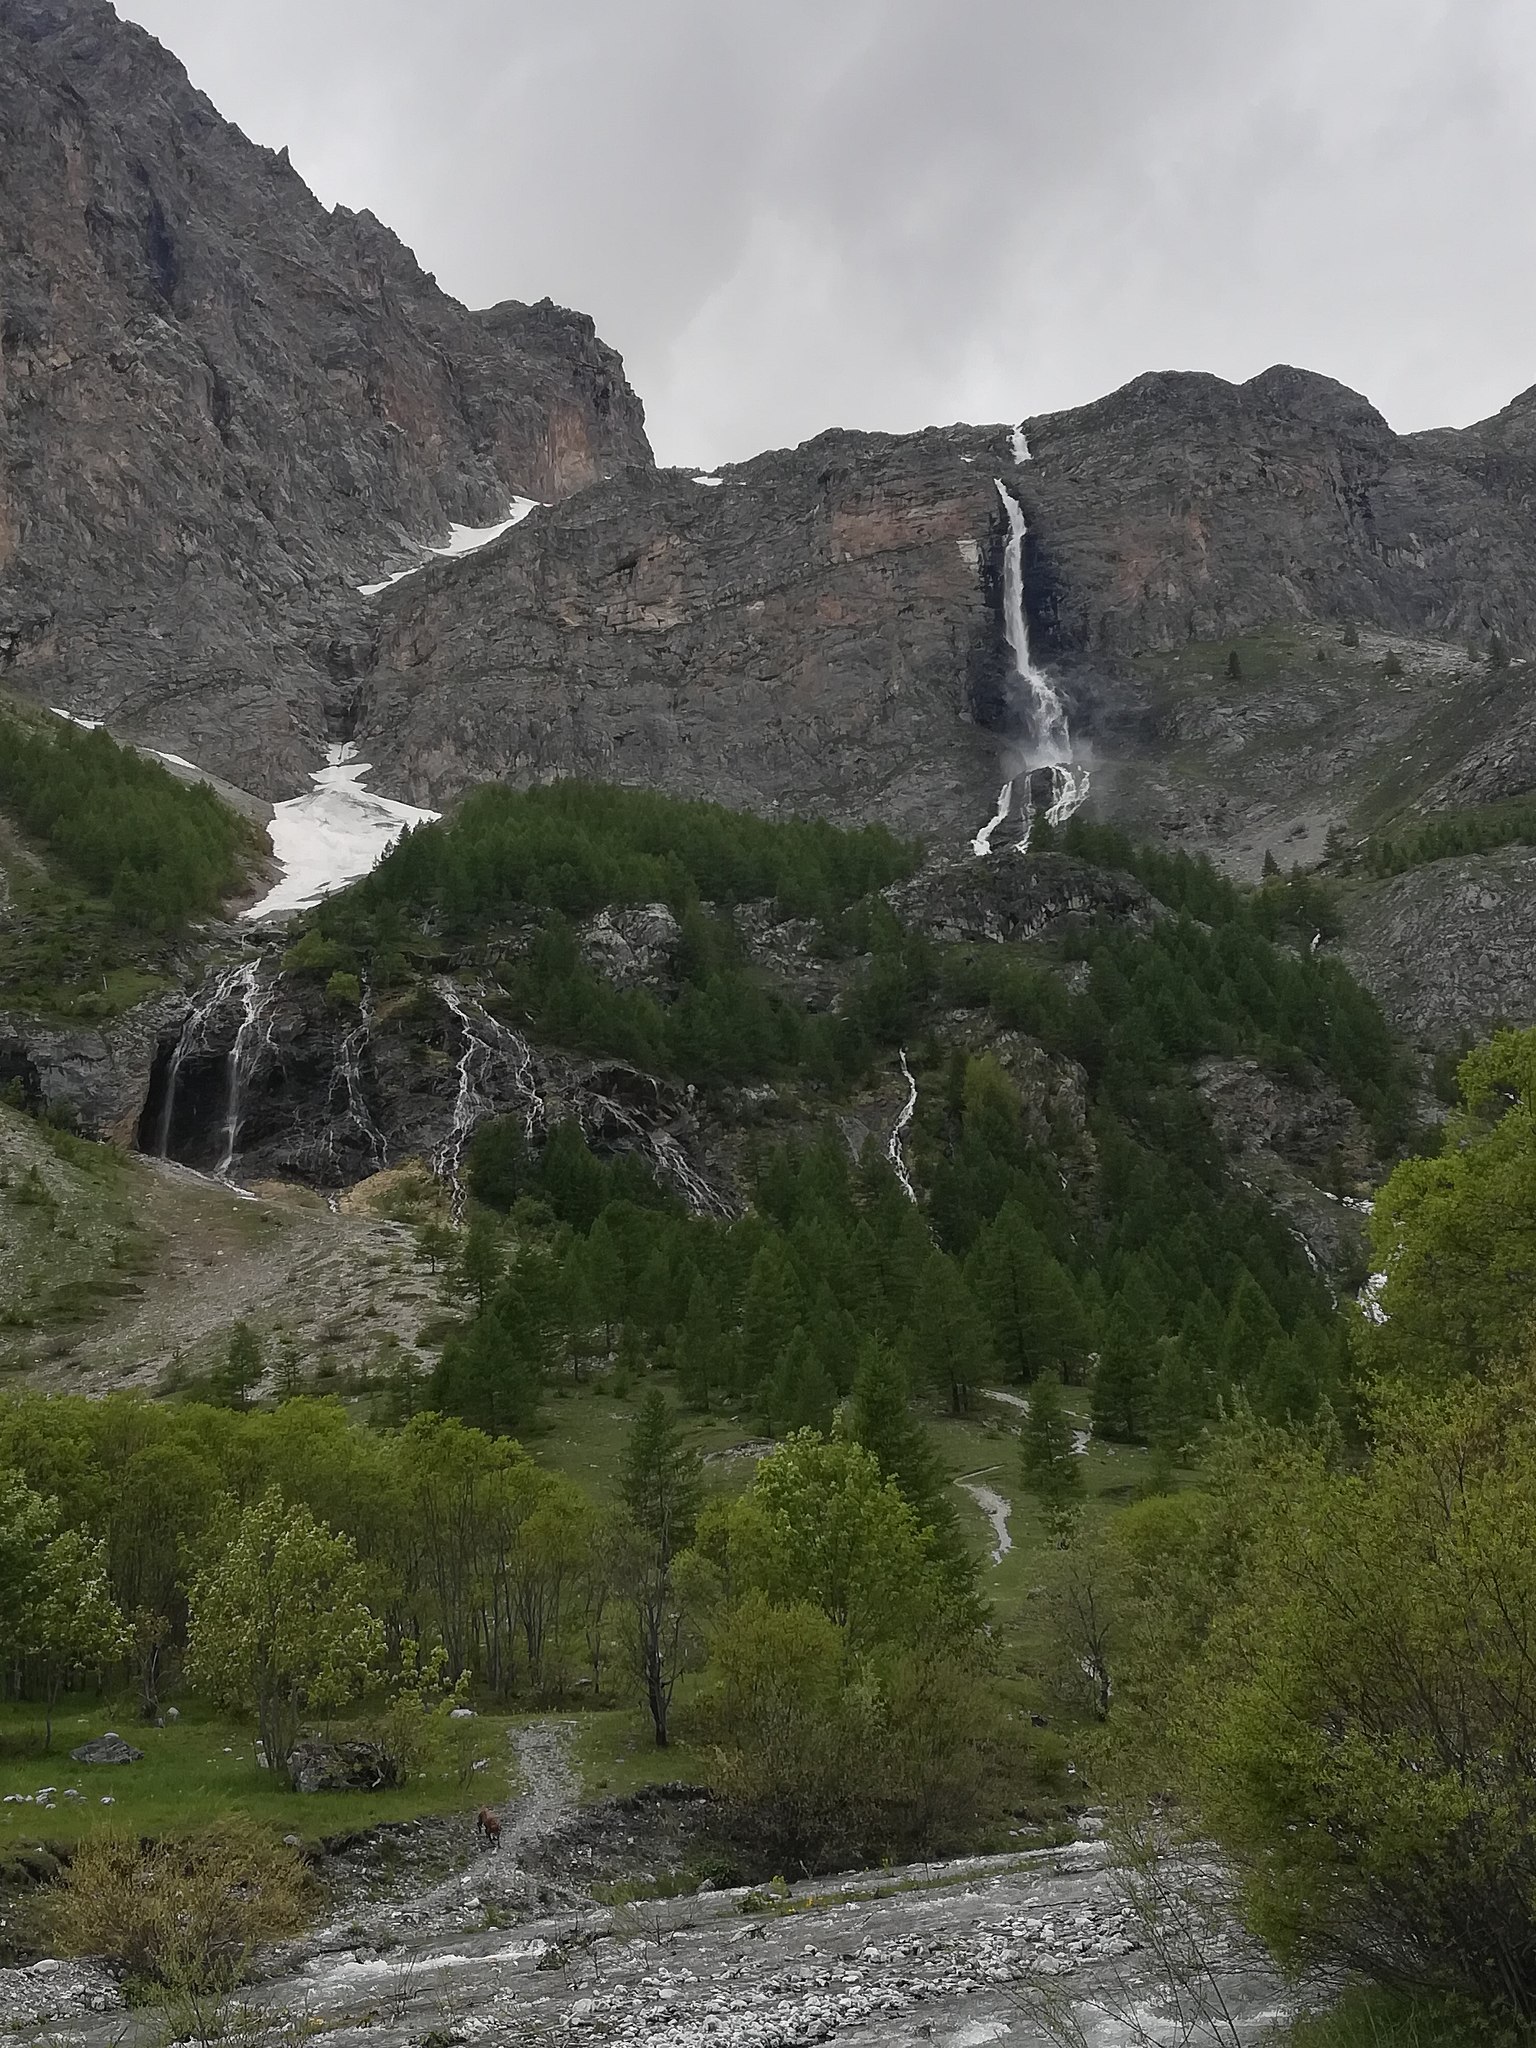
962 1953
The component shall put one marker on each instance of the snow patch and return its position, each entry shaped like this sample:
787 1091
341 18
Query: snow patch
462 540
334 834
89 724
710 483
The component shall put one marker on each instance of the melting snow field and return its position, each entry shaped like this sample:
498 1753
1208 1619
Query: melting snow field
332 835
462 540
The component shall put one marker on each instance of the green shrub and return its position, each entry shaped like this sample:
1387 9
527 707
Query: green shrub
183 1914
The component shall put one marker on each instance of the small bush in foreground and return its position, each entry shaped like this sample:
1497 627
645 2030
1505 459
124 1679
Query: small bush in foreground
182 1914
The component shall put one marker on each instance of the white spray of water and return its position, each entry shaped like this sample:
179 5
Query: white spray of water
193 1039
982 843
1020 445
1049 743
251 1040
893 1150
349 1079
484 1045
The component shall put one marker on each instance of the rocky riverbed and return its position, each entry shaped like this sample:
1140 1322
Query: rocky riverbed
511 1948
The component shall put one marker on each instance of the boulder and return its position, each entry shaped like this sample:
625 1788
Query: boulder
106 1749
353 1766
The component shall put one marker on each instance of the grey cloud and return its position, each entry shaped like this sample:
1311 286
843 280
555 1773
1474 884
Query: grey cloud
886 212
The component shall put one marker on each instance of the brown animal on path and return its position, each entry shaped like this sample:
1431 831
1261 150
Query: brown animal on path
488 1827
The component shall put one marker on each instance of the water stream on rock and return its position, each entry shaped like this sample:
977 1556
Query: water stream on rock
347 1079
893 1150
193 1039
485 1045
1048 737
252 1039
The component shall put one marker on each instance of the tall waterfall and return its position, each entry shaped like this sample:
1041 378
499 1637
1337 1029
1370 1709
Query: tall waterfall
484 1046
251 1041
1047 742
893 1147
347 1096
241 988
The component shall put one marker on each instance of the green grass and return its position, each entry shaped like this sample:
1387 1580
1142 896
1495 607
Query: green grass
984 1446
1370 2018
614 1750
583 1427
200 1769
72 1240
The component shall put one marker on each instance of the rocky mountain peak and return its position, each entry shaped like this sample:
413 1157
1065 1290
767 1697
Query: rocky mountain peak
225 406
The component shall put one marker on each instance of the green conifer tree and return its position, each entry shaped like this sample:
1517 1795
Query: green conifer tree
701 1355
772 1311
800 1394
1049 1468
948 1343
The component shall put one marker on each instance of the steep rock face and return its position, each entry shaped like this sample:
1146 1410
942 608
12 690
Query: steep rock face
1449 949
821 630
221 406
1183 507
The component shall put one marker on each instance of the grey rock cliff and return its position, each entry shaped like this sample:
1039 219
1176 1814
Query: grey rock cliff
221 406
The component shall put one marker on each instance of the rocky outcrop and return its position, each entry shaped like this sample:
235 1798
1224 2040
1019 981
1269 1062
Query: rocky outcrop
632 945
350 1766
1183 507
106 1749
288 1086
222 407
1449 949
1013 900
97 1074
819 632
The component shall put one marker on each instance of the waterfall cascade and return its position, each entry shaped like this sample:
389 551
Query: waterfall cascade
241 988
893 1150
193 1039
252 1039
1048 736
347 1097
485 1045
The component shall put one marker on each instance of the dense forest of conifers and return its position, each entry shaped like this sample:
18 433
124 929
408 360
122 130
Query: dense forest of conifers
1420 840
157 850
1115 1247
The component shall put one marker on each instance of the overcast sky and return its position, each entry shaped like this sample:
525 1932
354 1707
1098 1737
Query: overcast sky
791 214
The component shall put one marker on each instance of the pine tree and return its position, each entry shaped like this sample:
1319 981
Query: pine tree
701 1354
579 1311
241 1370
605 1277
1250 1326
1028 1297
489 1376
800 1394
481 1257
1050 1469
1128 1360
881 1419
659 1482
1177 1406
771 1313
948 1342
